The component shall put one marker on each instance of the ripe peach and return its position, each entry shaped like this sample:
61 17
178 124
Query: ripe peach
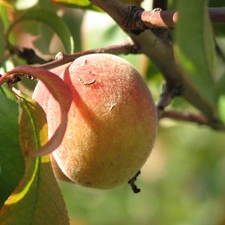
112 121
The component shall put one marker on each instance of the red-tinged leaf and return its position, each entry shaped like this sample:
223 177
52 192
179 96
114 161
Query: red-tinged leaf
60 91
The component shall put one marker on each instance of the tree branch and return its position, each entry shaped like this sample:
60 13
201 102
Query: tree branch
117 10
159 19
190 117
217 15
168 19
160 51
133 19
166 98
61 58
185 116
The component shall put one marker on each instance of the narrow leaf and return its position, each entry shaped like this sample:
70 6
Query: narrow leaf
220 92
33 131
83 4
2 40
194 48
50 19
37 199
12 165
60 91
221 107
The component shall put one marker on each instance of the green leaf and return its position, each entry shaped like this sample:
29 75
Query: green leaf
220 92
83 4
5 23
2 41
221 107
32 121
59 90
50 19
194 48
7 92
37 199
11 160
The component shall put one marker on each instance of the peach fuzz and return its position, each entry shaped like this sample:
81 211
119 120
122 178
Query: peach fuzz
112 121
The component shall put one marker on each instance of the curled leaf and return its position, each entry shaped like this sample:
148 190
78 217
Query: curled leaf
59 90
27 203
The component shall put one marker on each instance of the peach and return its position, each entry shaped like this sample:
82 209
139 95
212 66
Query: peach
112 121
